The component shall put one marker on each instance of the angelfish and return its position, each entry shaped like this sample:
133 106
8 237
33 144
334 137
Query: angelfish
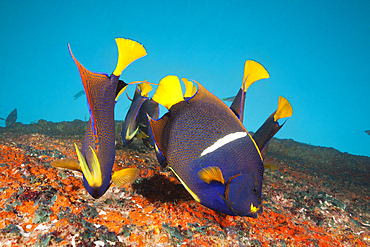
136 121
207 147
97 155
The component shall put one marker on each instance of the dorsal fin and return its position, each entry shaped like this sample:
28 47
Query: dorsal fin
91 82
238 104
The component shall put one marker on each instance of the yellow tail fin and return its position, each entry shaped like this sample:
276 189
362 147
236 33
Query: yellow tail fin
284 109
190 88
128 51
125 177
168 92
145 88
253 71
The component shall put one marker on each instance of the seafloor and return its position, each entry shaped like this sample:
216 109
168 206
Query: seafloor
317 197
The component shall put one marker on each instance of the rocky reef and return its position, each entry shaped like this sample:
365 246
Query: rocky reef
317 197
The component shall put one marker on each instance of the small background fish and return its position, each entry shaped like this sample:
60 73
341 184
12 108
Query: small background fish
78 95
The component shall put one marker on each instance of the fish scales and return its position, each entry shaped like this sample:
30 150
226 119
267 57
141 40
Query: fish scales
206 145
192 126
102 92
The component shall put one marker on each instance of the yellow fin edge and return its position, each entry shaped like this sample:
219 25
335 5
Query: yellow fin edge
196 198
255 144
120 92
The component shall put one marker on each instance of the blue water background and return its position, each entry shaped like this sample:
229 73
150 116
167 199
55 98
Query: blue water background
317 54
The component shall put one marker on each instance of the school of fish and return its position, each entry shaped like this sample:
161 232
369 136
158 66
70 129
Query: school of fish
200 138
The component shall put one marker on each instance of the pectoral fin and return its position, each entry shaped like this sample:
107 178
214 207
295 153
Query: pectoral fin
141 135
270 166
69 163
125 177
211 173
131 132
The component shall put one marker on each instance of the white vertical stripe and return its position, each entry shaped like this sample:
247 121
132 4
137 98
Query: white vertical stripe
223 141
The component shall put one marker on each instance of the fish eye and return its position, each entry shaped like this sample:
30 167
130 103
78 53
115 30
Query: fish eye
255 190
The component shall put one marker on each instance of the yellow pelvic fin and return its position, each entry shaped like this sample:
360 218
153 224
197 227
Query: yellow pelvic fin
129 135
211 173
120 92
168 92
69 163
128 51
125 177
93 178
145 88
141 135
284 109
270 166
190 88
186 187
253 71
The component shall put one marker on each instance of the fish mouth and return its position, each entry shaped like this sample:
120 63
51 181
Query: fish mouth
229 204
97 192
253 210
